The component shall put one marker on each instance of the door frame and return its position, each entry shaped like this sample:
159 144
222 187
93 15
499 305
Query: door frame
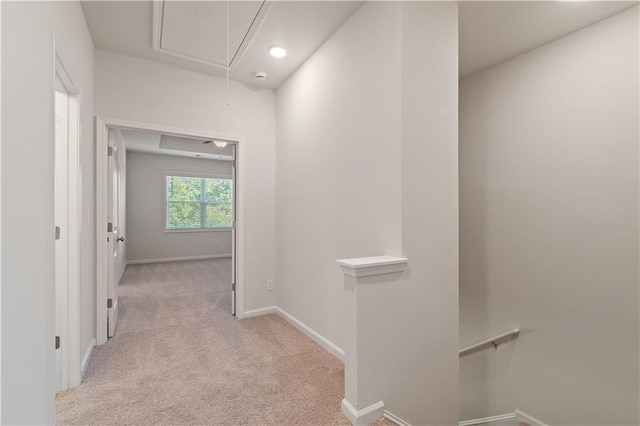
102 247
70 307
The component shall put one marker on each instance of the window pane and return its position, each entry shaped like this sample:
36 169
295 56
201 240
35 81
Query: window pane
218 216
183 215
181 188
218 190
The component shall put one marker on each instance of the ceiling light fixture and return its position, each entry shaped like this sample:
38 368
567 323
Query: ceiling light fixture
277 51
220 144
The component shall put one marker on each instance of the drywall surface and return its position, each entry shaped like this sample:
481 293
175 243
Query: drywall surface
147 238
367 165
338 157
28 30
429 300
549 230
143 91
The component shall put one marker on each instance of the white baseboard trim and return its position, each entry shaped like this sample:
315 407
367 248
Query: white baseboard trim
259 312
518 415
328 345
177 259
366 416
395 419
485 420
86 357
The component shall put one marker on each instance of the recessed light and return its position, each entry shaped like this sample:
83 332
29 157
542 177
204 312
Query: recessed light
277 51
220 144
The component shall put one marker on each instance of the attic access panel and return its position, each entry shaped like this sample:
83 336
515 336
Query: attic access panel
197 30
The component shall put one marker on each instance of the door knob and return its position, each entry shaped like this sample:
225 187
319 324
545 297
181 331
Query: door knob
121 239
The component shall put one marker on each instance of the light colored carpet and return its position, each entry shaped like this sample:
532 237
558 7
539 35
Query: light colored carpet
179 357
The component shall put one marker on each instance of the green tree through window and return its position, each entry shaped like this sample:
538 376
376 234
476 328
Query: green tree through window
198 202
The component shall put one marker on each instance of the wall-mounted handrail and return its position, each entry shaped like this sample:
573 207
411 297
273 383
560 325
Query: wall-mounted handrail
520 417
494 341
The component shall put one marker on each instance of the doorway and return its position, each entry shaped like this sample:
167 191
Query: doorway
160 219
66 136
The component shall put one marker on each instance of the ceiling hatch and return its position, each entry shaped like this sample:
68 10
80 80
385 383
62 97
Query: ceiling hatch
197 30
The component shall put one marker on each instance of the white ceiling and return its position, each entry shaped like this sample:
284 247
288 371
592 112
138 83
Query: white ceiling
493 31
299 26
490 31
195 28
155 143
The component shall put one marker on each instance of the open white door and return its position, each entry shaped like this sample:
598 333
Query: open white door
115 238
67 212
233 233
61 215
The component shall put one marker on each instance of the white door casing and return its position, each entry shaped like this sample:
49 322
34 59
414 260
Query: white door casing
233 232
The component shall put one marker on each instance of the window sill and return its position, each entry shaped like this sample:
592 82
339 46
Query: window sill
183 231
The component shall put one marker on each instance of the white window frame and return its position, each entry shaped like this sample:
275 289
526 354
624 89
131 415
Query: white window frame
166 202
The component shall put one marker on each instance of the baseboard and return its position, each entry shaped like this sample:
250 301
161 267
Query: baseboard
366 416
325 343
259 312
519 416
395 419
328 345
485 420
177 259
86 357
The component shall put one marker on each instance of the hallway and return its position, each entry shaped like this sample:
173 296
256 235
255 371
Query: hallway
179 357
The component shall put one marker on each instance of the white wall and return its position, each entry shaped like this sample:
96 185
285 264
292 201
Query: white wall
429 301
146 236
549 229
27 199
338 157
139 90
367 165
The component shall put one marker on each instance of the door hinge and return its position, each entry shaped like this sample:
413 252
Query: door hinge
57 232
233 286
109 227
57 342
234 163
109 303
110 151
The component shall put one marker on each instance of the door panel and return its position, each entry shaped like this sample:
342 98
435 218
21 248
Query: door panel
114 243
62 226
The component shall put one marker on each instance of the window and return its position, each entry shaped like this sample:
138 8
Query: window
198 202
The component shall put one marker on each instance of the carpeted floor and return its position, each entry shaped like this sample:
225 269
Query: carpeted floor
179 357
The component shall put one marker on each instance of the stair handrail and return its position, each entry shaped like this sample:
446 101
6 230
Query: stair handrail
494 341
